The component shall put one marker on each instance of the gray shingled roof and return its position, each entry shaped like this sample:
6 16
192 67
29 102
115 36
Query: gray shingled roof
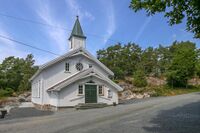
77 30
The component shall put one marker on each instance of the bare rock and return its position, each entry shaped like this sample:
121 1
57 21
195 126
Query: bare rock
139 96
146 95
126 94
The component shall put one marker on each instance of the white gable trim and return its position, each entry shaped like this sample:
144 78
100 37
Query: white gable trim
69 54
82 75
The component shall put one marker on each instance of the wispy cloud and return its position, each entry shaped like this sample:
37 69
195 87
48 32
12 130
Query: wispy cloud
142 28
58 36
76 9
8 48
111 26
174 36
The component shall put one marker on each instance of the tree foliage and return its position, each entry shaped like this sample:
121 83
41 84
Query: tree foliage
139 78
182 66
198 63
15 73
175 11
122 60
178 62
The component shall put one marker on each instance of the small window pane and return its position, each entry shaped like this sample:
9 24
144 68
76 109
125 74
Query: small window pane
90 65
67 67
100 90
109 94
80 89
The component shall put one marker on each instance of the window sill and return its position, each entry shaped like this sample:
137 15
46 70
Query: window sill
67 72
80 95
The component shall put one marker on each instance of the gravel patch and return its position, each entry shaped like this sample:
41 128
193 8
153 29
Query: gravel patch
25 112
132 101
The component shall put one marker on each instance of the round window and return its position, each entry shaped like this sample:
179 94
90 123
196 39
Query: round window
79 66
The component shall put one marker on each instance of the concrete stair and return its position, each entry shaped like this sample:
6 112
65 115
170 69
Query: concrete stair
90 105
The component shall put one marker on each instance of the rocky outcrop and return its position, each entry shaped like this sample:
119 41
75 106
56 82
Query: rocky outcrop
15 101
25 97
194 81
128 94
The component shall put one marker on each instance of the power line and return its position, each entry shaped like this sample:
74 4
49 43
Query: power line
41 23
25 44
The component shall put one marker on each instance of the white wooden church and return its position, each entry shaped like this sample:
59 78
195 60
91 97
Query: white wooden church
73 78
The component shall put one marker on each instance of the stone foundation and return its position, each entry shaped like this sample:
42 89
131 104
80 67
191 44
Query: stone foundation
46 107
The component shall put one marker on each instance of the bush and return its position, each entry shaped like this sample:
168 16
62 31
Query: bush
139 79
6 92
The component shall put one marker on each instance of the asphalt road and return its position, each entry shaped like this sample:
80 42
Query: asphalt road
177 114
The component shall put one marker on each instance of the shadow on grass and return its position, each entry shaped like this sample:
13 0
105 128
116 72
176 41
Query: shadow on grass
185 119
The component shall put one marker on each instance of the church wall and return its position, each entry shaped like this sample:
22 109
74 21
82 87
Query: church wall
56 73
37 85
69 96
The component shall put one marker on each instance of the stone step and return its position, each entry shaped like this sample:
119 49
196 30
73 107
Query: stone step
90 105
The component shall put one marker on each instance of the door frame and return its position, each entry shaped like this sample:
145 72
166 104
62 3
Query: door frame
91 84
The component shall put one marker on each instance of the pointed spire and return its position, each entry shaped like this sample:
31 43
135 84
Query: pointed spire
77 30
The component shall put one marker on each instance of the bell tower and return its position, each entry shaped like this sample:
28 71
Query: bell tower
77 39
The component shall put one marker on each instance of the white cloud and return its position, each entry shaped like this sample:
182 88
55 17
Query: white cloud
111 26
58 36
142 28
76 9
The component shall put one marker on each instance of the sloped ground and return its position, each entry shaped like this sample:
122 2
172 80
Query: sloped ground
176 114
156 87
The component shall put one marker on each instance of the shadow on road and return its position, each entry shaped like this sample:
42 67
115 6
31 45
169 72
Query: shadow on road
184 119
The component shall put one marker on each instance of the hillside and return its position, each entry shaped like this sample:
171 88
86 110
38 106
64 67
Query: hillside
155 87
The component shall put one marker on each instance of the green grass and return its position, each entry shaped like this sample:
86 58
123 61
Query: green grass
168 91
155 91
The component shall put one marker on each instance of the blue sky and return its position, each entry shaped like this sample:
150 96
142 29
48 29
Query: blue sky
104 22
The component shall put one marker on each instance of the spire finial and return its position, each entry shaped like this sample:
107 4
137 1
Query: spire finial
77 16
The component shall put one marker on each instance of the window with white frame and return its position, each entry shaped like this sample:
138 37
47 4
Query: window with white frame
109 94
101 90
80 90
36 89
90 65
67 67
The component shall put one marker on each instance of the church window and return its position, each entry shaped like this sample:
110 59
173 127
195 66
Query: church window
90 65
80 89
100 90
109 94
67 67
79 66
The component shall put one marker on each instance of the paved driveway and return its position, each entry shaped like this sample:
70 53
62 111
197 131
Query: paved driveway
177 114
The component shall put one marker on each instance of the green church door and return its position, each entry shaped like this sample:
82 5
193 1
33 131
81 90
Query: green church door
90 94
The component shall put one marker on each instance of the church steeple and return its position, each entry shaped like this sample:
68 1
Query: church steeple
77 38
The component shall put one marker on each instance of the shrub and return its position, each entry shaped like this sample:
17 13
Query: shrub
6 92
139 79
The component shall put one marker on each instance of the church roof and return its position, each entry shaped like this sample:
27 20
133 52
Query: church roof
77 30
69 54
